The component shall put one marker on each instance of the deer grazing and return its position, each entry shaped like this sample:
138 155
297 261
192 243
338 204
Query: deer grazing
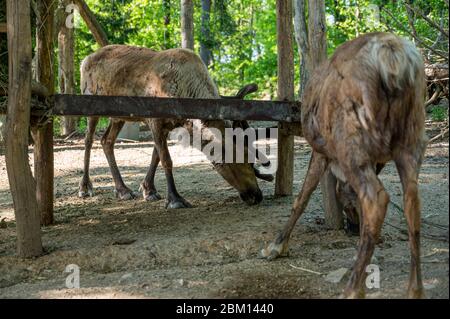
136 71
362 108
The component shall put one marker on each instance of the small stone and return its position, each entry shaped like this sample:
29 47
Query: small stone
336 275
182 282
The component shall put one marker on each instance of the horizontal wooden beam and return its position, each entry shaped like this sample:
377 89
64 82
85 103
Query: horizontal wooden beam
3 28
38 108
178 108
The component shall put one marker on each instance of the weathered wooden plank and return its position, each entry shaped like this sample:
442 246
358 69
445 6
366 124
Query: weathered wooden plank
38 107
179 108
3 28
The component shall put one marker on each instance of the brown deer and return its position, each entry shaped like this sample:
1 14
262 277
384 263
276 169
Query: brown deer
136 71
362 108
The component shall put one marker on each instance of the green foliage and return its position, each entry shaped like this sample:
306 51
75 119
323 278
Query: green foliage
439 113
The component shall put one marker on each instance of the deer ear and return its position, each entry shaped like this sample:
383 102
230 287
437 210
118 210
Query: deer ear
264 177
246 90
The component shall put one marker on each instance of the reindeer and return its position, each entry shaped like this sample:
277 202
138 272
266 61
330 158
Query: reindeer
362 108
136 71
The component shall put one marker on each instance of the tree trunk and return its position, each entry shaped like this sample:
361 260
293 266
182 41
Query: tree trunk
66 48
301 37
317 32
167 35
43 134
318 53
22 184
205 39
92 23
285 170
187 24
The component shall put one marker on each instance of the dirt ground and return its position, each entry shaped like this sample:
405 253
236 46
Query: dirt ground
137 249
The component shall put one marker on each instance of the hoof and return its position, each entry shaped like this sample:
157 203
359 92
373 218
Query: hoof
124 194
178 203
149 195
274 251
85 190
153 197
84 194
416 293
352 294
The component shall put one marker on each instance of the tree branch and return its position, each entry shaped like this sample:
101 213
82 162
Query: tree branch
421 42
92 23
424 16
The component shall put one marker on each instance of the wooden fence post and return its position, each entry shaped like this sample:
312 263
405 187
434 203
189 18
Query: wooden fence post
285 170
43 134
21 182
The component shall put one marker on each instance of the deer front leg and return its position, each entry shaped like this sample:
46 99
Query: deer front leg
85 187
147 187
279 246
108 141
160 133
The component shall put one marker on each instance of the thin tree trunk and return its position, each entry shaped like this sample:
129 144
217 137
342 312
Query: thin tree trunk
285 170
318 53
187 24
66 49
301 37
43 134
205 39
317 32
92 23
167 35
22 184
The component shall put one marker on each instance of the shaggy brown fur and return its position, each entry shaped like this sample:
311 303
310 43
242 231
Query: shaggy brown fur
135 71
362 108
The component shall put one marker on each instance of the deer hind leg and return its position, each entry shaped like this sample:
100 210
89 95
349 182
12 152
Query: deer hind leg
147 187
160 133
373 200
108 140
85 186
351 206
279 247
408 167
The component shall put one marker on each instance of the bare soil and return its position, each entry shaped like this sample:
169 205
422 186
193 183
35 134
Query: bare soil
138 249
